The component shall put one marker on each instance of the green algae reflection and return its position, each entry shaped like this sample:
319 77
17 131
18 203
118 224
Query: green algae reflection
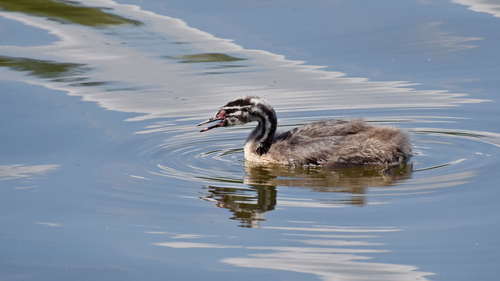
207 57
65 12
41 68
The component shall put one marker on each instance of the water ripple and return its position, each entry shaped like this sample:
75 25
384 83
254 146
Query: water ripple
444 159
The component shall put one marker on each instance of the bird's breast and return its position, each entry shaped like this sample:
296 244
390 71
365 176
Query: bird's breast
252 156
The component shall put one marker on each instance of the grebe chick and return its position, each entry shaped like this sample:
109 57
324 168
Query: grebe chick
330 143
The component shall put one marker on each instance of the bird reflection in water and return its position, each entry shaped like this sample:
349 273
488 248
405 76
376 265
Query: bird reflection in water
249 203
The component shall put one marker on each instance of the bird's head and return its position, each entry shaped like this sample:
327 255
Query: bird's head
236 112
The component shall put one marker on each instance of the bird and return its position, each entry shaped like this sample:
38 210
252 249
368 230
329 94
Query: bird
326 143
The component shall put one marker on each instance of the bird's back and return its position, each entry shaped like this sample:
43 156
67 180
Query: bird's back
337 143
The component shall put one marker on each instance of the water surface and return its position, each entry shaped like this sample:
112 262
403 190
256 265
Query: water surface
104 175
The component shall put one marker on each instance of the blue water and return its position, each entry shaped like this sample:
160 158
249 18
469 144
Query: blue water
104 176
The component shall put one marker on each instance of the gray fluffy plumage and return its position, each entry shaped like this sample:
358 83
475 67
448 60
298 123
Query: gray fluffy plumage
337 143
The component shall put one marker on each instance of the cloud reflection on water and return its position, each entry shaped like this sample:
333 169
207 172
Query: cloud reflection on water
17 171
341 253
430 36
491 7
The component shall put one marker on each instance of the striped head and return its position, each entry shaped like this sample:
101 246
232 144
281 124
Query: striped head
239 112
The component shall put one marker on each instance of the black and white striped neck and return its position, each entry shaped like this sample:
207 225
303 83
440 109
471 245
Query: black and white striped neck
262 136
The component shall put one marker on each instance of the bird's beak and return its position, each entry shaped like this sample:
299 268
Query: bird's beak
220 116
220 124
206 122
